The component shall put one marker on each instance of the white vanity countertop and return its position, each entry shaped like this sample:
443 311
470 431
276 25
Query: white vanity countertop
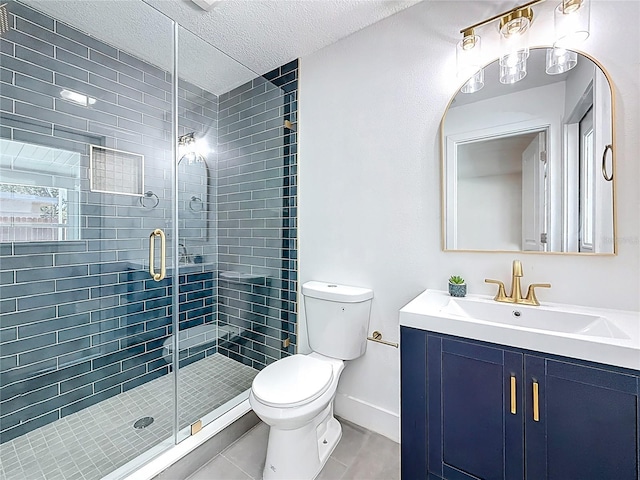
612 338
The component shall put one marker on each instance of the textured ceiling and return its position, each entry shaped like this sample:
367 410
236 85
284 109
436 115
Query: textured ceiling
233 42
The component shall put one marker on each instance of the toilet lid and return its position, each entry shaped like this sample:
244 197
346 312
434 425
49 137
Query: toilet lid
292 381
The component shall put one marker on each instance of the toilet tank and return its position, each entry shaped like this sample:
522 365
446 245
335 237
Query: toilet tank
337 318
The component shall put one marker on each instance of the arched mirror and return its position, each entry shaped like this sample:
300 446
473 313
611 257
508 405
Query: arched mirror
529 166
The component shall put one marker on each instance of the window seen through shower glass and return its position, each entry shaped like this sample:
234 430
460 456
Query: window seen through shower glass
39 192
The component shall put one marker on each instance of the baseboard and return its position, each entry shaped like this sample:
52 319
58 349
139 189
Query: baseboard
369 416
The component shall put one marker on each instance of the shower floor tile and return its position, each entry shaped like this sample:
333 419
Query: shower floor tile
93 442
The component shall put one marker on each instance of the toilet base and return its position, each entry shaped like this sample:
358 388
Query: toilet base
300 454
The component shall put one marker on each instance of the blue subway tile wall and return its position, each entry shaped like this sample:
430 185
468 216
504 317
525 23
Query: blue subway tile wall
257 218
81 321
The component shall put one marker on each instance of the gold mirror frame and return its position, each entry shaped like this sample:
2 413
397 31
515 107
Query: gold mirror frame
613 152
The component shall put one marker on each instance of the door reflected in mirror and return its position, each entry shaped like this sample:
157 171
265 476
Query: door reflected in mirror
528 166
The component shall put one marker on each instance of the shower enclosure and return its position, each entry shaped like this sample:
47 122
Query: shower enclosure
147 234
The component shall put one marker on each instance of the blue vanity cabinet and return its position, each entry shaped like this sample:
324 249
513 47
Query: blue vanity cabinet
467 412
473 431
587 425
413 418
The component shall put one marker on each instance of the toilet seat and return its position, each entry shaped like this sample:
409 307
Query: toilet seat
292 381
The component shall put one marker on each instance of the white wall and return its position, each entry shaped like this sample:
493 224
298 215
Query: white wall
577 85
490 212
369 178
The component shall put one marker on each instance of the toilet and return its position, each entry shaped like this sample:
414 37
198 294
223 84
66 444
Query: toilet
294 395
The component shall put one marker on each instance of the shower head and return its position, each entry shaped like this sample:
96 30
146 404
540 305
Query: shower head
4 19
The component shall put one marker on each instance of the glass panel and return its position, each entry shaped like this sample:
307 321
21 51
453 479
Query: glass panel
84 364
86 332
236 170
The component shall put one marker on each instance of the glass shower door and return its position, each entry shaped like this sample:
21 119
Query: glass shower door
86 177
236 227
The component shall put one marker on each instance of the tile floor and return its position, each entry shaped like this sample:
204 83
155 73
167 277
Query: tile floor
360 455
96 440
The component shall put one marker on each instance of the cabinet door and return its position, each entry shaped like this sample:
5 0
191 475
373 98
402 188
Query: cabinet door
472 431
588 422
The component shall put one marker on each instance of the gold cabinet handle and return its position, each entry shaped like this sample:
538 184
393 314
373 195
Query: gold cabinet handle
513 395
536 403
152 254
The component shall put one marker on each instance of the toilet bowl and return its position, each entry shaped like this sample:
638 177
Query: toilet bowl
295 398
294 395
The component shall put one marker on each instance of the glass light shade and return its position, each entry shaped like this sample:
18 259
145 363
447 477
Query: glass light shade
475 83
571 22
514 42
513 73
468 57
560 60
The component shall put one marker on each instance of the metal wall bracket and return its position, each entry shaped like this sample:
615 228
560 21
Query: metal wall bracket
376 336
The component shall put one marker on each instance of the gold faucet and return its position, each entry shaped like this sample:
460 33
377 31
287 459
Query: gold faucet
516 290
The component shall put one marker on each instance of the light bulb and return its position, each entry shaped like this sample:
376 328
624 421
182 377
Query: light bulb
514 40
560 60
513 73
571 22
475 83
469 62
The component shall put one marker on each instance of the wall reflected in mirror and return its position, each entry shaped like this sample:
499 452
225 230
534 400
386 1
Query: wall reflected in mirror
527 166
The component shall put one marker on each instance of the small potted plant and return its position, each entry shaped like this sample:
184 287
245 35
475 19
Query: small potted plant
457 287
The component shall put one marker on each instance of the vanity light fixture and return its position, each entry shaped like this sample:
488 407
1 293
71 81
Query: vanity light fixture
571 21
514 43
469 61
571 26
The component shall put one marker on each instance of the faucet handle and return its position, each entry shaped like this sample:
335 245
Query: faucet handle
516 268
531 298
501 296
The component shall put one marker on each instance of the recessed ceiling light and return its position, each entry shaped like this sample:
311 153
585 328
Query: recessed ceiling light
78 98
206 5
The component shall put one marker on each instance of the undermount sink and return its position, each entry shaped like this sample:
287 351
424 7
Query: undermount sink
600 335
539 318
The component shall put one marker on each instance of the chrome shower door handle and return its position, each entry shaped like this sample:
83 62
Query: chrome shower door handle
152 254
